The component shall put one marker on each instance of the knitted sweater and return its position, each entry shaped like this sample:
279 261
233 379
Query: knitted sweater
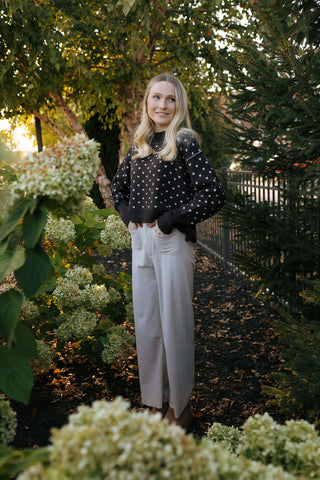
177 193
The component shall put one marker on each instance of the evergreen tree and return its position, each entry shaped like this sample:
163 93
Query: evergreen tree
275 76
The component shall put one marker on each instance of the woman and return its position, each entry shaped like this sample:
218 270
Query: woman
162 189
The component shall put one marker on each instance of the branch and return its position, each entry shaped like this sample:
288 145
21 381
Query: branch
49 124
67 112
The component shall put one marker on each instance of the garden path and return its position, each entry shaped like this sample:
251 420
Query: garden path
236 352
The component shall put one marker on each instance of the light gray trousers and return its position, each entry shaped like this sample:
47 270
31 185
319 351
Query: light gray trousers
162 284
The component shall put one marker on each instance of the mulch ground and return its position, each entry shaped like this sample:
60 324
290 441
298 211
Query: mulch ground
236 351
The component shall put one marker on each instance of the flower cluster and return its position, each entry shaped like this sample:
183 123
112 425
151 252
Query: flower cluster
67 293
29 312
97 296
76 325
227 436
62 174
8 422
106 440
117 346
295 445
8 283
44 360
129 312
60 230
115 234
76 288
80 275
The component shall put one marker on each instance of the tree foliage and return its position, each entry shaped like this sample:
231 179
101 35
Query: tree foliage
275 104
90 58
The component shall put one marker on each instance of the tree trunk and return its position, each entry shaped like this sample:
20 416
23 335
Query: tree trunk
49 124
101 178
38 133
67 112
131 96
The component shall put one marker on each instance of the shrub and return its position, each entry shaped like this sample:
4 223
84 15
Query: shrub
107 441
294 446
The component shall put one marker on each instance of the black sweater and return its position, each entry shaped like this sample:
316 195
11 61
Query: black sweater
177 193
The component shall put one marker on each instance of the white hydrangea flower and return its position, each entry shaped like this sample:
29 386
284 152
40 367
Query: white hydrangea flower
30 311
76 325
80 275
63 174
227 436
44 361
115 296
60 230
117 345
259 435
112 347
67 293
129 312
115 234
95 296
98 269
8 422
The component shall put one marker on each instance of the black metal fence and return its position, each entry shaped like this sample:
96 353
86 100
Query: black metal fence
219 240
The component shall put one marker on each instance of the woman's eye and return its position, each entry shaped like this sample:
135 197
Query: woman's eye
172 99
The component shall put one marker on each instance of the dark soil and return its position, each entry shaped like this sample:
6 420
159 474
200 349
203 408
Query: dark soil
236 351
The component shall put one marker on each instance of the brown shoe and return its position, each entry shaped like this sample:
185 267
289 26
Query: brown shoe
184 419
162 410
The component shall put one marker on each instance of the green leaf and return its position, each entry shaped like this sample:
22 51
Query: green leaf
13 461
33 225
10 307
10 261
16 377
12 221
34 272
25 341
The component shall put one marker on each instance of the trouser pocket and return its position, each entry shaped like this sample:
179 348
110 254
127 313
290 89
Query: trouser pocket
168 244
136 240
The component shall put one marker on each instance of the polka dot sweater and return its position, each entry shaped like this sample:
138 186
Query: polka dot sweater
178 193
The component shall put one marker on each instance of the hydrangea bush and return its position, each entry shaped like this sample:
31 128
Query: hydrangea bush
294 446
8 422
107 441
82 305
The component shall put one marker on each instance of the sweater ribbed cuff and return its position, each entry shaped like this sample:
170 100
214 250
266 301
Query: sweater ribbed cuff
165 222
122 208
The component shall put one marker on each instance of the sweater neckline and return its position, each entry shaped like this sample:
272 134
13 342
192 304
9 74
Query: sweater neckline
159 136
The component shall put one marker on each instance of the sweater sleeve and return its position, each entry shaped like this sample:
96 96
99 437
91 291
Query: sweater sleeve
120 188
209 196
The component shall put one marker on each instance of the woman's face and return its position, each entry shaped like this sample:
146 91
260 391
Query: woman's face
161 105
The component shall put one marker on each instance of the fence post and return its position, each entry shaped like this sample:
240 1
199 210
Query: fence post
226 247
225 229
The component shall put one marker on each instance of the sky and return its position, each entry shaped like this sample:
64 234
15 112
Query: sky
23 142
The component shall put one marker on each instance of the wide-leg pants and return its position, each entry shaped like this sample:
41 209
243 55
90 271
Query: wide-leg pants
162 284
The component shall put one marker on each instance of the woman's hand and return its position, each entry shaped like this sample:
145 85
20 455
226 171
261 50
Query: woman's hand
157 229
132 226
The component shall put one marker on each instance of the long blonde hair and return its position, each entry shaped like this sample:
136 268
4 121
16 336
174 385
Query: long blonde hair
180 122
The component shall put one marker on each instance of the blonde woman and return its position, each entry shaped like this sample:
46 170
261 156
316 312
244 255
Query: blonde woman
163 188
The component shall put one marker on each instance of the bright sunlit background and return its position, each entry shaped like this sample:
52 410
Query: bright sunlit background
21 140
